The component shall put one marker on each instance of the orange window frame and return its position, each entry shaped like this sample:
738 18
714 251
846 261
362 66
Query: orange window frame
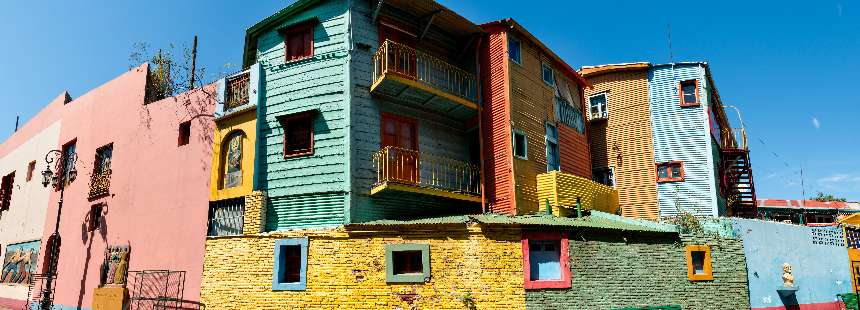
670 165
681 93
707 268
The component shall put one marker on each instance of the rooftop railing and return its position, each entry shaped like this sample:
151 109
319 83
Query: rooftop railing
399 59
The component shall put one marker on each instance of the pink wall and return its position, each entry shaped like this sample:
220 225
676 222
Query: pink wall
158 190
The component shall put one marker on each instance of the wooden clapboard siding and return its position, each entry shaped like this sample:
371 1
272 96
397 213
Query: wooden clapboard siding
682 134
498 171
305 191
627 129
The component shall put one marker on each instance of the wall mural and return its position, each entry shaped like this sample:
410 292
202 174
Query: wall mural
20 262
233 161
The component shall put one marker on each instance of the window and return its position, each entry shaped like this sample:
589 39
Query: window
520 144
552 162
689 93
699 263
547 74
237 91
298 134
184 133
407 263
291 265
95 217
100 182
299 40
672 171
545 260
598 106
30 168
69 158
231 160
6 191
605 176
226 217
103 158
514 50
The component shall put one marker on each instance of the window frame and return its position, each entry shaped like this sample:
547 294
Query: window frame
547 141
681 93
611 170
278 258
564 260
604 112
707 268
543 66
514 133
519 59
669 177
422 277
298 28
184 137
284 120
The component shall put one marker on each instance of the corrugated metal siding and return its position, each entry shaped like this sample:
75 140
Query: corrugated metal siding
628 126
574 152
498 177
317 83
681 134
303 211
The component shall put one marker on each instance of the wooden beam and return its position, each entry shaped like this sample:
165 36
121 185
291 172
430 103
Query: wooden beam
429 22
376 10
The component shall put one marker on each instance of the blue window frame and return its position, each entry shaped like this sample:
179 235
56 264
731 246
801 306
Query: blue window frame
514 50
291 265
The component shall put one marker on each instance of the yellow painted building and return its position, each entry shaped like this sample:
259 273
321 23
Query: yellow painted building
234 139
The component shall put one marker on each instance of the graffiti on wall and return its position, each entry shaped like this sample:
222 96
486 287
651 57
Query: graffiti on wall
20 262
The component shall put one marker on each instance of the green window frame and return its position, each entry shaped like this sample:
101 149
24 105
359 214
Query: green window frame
423 276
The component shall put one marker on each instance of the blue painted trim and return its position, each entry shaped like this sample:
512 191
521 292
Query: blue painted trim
276 271
220 91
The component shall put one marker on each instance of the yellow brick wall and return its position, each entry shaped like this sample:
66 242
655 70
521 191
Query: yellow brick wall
255 213
562 189
346 270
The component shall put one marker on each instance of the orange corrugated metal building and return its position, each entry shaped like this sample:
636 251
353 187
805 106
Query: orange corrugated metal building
521 98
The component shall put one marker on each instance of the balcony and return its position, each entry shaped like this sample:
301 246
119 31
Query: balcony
733 139
99 184
237 91
561 190
414 77
400 170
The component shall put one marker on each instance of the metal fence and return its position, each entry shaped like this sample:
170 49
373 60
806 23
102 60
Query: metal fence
569 115
226 217
734 138
399 165
399 59
158 289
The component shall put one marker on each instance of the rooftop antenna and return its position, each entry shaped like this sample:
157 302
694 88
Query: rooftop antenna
17 117
669 36
802 186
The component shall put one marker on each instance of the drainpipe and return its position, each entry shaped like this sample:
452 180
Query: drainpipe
478 95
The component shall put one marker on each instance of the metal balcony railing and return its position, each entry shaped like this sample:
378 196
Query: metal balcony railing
100 184
734 138
399 165
237 89
399 59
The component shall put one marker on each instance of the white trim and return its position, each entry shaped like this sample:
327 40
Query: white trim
552 79
514 132
605 111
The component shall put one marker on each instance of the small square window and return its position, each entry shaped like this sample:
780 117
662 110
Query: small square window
605 176
670 171
546 260
30 168
407 263
299 40
514 50
699 266
291 263
598 106
298 134
184 133
689 93
520 144
547 74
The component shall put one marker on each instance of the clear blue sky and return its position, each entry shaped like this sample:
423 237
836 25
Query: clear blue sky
789 65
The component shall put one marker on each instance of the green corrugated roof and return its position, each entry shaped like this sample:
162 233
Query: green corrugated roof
596 220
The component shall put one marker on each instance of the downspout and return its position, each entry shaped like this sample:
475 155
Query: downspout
347 206
479 93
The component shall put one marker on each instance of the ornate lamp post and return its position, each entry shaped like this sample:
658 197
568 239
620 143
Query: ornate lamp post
63 174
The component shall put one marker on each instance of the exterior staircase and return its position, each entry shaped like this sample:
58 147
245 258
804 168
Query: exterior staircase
737 180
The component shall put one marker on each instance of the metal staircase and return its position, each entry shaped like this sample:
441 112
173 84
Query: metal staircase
738 185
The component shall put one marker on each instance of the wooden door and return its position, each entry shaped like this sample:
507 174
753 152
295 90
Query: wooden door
401 56
400 144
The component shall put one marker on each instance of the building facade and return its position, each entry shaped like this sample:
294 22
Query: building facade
663 138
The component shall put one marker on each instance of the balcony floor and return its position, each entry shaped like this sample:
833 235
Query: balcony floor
426 97
395 188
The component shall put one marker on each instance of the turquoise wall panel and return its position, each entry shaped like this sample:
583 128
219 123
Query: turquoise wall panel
305 191
682 134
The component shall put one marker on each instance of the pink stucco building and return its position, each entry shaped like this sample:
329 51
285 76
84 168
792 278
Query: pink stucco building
141 190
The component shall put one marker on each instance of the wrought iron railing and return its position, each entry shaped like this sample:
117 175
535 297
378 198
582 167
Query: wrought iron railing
236 91
569 115
399 59
157 289
226 217
100 184
399 165
734 138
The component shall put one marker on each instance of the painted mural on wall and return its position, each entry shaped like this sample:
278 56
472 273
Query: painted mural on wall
233 161
20 262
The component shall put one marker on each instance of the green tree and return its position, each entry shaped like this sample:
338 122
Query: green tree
828 197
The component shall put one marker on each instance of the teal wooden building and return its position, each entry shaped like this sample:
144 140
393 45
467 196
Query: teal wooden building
369 111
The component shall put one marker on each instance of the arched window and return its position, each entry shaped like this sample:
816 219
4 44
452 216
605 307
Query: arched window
231 160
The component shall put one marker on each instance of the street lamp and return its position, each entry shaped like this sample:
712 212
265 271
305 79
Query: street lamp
61 162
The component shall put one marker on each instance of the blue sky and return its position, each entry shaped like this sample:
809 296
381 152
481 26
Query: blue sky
788 65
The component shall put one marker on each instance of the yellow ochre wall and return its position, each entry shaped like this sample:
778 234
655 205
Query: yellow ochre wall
246 122
562 189
624 140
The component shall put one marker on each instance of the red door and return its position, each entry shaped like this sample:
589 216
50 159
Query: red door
401 57
400 147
